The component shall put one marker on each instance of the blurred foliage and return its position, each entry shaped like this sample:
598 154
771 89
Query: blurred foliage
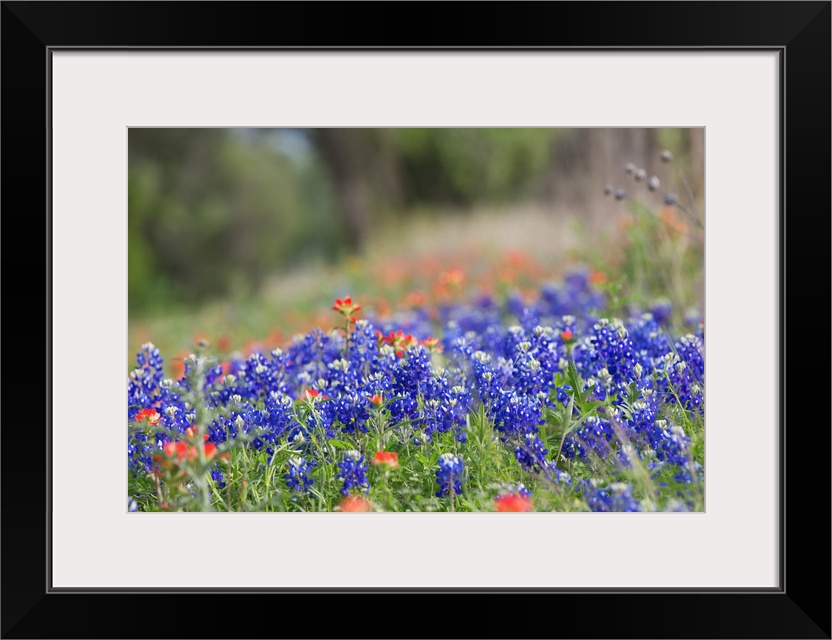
214 212
464 167
212 215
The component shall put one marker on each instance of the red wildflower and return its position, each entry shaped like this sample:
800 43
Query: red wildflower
416 299
383 308
152 416
516 258
513 502
191 433
346 308
211 451
180 450
355 503
398 340
174 453
376 400
312 394
183 451
566 334
452 277
432 344
178 366
597 277
450 283
386 458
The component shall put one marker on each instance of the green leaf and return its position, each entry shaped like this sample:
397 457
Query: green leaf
632 393
591 404
570 409
553 418
577 424
576 382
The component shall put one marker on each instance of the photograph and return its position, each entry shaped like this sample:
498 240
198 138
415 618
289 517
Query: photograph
460 270
416 320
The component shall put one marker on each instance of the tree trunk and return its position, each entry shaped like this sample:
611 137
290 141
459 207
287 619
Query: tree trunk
586 159
343 154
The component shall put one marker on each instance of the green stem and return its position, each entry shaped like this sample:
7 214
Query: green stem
347 334
228 490
380 425
388 493
451 491
560 448
158 490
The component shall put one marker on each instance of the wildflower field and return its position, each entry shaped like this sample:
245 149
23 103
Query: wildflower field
481 383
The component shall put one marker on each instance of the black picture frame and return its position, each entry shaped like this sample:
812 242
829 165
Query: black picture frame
798 608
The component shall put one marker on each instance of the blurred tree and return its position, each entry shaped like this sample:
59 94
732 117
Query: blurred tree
212 215
585 159
372 169
363 168
465 166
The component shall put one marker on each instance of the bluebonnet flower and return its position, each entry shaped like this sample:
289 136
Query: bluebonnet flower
576 297
152 401
363 347
516 414
487 381
529 376
218 477
351 411
445 408
519 489
670 445
649 342
462 320
644 414
353 473
531 454
144 385
593 436
297 479
308 358
682 375
449 474
609 355
661 311
617 496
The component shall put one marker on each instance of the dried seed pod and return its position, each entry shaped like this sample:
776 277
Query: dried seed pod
666 156
640 175
608 189
653 183
629 168
620 194
670 199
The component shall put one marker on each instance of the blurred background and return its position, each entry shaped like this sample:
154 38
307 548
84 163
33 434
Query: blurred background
238 236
